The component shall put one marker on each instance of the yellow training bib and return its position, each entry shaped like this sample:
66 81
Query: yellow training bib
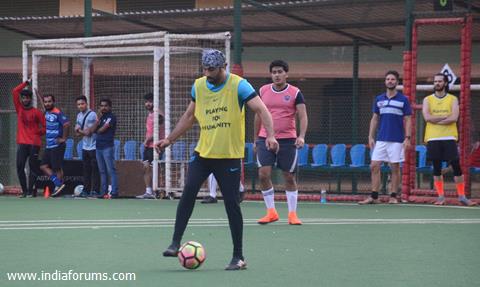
440 107
222 122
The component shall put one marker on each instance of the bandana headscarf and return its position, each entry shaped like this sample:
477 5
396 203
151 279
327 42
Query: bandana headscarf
213 58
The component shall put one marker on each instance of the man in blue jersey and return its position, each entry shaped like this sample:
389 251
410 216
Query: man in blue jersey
56 134
390 109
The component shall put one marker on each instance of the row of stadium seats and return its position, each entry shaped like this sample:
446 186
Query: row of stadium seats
130 150
319 158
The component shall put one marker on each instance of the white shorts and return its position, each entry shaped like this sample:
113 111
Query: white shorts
388 152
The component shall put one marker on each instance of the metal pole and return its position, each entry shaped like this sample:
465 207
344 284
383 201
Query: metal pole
355 91
237 40
409 7
166 64
157 55
87 24
408 172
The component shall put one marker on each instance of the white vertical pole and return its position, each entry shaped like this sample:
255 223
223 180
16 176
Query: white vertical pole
168 177
35 61
156 101
86 78
24 62
227 53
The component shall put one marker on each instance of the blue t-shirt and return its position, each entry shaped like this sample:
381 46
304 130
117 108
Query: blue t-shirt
88 142
391 112
245 90
105 139
55 121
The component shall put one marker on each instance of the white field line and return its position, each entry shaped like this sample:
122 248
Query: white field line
154 223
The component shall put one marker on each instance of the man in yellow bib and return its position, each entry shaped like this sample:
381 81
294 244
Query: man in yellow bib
218 104
441 111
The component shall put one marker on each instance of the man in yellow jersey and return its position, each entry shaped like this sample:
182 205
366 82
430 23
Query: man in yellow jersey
218 104
441 111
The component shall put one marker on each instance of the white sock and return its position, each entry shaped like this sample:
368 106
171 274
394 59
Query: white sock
292 200
148 190
268 197
212 185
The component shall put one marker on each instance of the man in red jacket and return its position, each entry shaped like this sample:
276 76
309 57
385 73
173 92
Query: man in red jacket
30 128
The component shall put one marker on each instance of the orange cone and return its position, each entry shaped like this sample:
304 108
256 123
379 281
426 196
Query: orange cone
46 192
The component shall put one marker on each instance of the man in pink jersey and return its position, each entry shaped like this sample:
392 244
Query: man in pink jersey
148 144
284 102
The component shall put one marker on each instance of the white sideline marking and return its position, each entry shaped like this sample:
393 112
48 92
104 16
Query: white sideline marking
158 223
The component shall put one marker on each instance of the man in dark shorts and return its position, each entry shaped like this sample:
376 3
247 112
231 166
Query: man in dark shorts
284 101
56 135
148 146
440 111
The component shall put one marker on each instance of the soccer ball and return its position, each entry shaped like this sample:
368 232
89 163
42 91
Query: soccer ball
78 190
2 189
191 255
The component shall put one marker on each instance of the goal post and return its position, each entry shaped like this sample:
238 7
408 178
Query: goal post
124 68
412 88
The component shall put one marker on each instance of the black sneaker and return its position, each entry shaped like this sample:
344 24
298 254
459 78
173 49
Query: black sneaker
171 250
209 199
236 264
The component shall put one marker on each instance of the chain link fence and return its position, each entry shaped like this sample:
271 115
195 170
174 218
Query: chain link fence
8 128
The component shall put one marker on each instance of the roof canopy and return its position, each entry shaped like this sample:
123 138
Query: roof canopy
292 23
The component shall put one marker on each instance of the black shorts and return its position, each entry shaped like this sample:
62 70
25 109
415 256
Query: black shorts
285 159
444 150
53 157
148 155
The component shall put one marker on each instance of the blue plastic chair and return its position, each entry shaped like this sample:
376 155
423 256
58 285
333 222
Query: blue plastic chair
249 158
303 156
68 149
129 149
338 154
80 150
422 159
142 150
357 156
116 151
179 151
191 150
319 155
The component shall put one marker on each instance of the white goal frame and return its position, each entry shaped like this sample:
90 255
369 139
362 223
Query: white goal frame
160 45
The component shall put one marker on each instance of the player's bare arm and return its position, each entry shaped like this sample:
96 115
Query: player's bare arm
64 136
303 118
262 112
372 131
453 117
408 131
257 123
426 113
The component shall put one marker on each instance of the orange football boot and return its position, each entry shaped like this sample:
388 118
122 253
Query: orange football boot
293 218
271 216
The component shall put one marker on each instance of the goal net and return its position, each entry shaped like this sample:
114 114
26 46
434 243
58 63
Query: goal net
124 68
